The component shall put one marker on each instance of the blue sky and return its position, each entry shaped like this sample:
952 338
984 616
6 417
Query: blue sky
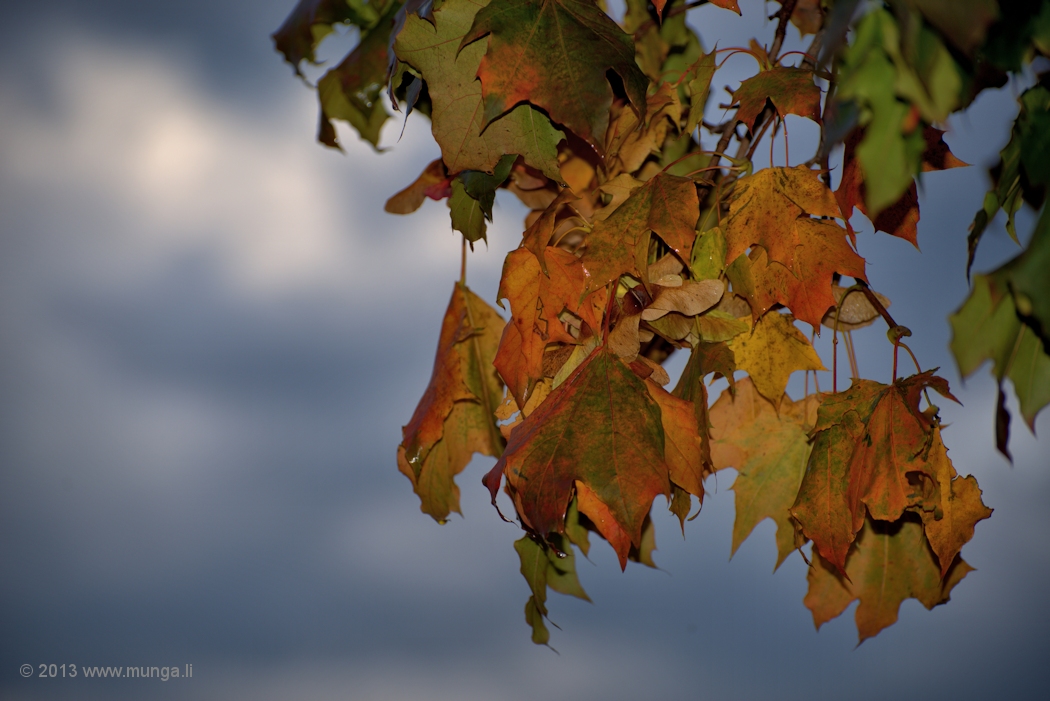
211 334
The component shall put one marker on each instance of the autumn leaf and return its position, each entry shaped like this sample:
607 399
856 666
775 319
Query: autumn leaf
870 456
454 418
412 197
805 289
313 20
950 525
545 566
351 91
771 352
770 449
538 235
698 81
554 54
889 563
681 440
469 142
600 427
767 206
790 90
901 218
666 205
536 300
704 359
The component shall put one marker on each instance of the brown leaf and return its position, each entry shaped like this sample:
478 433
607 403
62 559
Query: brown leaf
791 90
855 312
870 448
454 418
689 298
666 205
960 508
767 206
889 563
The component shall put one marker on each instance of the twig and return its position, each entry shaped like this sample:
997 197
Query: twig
783 17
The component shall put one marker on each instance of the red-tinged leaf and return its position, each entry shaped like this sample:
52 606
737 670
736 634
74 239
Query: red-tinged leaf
454 418
600 427
870 456
807 289
681 440
770 449
808 16
951 525
937 155
412 197
791 90
554 54
766 207
727 5
536 300
603 519
889 563
666 205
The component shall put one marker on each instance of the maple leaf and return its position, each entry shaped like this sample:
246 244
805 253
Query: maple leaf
311 21
412 197
545 567
536 300
890 562
766 207
771 352
805 289
454 418
469 142
473 194
681 440
600 428
901 218
554 54
790 90
698 81
950 524
870 455
769 447
351 91
630 140
666 205
704 359
987 327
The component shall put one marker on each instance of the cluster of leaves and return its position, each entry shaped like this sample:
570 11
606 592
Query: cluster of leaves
641 243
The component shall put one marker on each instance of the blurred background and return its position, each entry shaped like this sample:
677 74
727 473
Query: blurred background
211 334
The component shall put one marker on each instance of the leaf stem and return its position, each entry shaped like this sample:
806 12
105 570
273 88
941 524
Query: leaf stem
463 263
783 17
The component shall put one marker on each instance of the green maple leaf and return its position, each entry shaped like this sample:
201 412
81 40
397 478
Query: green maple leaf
469 140
554 54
